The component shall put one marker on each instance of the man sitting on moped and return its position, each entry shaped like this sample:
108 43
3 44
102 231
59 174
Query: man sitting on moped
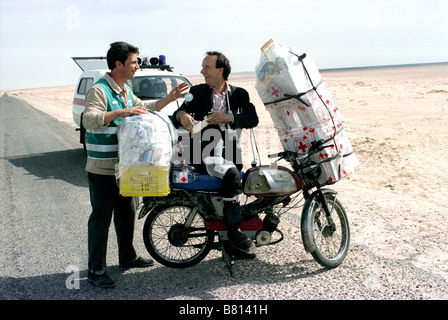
226 110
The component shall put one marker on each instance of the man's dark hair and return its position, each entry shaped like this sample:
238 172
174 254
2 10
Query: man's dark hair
119 51
221 62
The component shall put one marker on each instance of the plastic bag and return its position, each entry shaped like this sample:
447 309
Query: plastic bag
145 151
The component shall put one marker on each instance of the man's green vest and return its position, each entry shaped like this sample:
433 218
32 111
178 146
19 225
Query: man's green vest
103 143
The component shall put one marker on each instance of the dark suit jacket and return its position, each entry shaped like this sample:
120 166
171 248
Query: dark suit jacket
244 114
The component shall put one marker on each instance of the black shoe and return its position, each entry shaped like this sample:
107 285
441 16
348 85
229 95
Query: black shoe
139 263
238 254
240 241
100 280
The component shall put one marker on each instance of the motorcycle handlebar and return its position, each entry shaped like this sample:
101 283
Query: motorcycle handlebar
283 154
315 147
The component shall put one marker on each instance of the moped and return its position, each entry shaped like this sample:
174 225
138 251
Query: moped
182 227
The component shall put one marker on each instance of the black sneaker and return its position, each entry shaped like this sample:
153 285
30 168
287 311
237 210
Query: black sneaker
239 254
139 263
100 280
240 241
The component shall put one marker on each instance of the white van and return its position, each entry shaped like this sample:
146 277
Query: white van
153 81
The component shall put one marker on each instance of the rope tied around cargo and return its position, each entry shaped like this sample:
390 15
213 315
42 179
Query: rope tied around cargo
335 132
301 57
298 96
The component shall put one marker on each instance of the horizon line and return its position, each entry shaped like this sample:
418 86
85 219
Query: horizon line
320 70
366 67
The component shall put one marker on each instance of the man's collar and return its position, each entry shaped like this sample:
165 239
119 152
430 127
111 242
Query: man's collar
225 90
114 86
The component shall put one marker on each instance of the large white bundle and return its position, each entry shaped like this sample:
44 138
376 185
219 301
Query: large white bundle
146 140
281 74
292 89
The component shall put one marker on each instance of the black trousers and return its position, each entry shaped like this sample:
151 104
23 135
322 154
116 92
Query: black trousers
231 187
106 202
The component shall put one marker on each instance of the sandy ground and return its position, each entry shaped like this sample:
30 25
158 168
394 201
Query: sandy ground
396 120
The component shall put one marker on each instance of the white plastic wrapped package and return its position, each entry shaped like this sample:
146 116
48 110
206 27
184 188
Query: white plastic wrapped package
145 150
291 87
280 73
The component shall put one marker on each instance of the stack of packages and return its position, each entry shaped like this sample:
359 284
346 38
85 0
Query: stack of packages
145 148
291 87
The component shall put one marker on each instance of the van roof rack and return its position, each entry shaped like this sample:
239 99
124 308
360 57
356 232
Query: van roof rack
159 66
144 63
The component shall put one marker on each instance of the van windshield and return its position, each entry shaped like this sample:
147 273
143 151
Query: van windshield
154 87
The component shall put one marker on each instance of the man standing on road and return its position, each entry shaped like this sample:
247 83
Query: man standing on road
107 102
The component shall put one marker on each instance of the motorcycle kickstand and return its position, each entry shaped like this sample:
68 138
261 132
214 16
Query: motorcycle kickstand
228 259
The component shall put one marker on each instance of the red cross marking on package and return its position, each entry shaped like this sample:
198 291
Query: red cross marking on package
302 146
323 155
275 92
183 179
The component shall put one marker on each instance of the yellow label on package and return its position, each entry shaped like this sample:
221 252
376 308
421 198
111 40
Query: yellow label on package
145 181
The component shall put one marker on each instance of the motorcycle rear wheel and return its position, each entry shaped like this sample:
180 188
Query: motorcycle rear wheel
329 248
169 242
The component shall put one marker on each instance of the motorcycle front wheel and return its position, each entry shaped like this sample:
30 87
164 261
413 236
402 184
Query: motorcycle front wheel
328 244
170 242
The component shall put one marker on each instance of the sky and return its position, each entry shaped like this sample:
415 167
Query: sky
39 37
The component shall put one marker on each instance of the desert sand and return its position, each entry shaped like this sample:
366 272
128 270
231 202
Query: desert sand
396 119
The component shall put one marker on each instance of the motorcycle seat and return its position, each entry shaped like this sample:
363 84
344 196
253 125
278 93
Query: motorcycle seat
195 180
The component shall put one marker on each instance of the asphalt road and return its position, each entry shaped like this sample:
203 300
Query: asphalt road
43 243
